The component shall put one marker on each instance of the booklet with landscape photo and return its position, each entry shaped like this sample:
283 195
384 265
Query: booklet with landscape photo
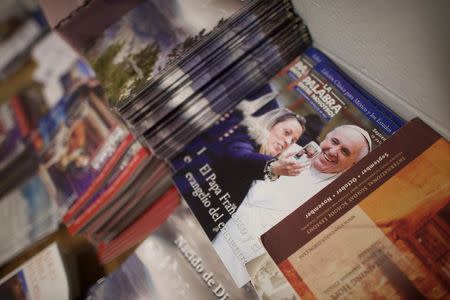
136 47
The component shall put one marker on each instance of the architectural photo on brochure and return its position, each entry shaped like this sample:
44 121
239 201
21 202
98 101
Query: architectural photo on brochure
284 143
379 231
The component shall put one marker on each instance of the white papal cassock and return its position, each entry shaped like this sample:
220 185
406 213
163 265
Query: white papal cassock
266 204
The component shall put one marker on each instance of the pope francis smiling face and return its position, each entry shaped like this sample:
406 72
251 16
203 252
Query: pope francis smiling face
341 149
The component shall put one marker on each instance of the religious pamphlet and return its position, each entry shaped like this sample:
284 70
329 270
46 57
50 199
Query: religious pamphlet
303 116
381 230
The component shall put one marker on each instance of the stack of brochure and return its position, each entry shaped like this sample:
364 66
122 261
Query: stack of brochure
348 124
262 136
170 73
364 218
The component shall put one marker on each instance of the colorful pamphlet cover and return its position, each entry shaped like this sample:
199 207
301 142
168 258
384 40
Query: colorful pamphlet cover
177 261
381 230
78 136
298 134
41 277
28 213
143 41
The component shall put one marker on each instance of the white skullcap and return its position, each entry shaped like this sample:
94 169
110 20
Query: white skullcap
364 133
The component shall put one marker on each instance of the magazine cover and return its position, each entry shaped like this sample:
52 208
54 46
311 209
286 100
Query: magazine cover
379 231
77 138
175 262
139 45
247 173
41 277
28 213
316 56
